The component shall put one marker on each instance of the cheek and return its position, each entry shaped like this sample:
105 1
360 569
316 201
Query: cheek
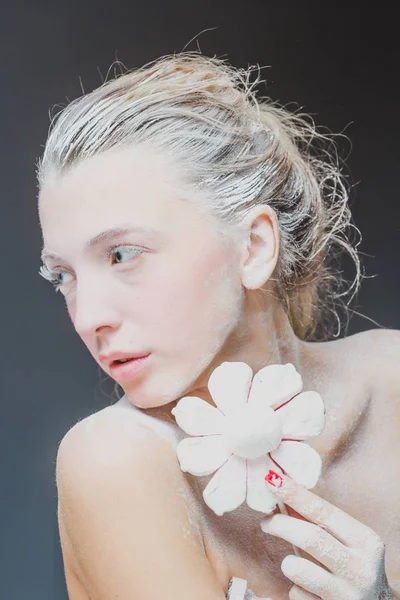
194 300
89 341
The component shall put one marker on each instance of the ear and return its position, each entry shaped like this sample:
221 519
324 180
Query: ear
260 246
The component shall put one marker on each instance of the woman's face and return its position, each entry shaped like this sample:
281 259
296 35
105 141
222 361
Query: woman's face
175 293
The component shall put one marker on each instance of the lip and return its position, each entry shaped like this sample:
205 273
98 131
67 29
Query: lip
125 371
108 359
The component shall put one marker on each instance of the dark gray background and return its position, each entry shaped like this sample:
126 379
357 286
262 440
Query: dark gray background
341 64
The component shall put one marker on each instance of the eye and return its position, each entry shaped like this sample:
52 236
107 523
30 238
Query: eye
56 277
123 254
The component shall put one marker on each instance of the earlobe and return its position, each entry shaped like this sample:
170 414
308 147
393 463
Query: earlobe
261 246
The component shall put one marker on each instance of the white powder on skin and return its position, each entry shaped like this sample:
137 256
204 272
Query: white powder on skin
371 585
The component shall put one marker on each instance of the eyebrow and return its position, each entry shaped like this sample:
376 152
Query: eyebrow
107 235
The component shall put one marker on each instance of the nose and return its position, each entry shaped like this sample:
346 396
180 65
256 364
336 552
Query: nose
95 310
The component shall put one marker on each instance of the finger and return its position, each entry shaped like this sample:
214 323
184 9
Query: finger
310 577
298 593
345 528
312 539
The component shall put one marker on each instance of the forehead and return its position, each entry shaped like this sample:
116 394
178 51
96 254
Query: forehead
134 185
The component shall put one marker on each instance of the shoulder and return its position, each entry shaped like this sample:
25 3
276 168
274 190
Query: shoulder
378 352
373 354
366 342
363 358
386 339
105 455
377 362
111 429
364 367
122 495
111 446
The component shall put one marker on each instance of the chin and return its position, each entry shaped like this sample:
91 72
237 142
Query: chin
140 399
159 389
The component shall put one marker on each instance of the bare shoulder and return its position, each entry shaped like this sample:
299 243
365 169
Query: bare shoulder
387 340
126 515
111 435
362 370
373 354
376 362
378 352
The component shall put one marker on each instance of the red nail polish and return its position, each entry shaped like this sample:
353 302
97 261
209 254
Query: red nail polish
274 479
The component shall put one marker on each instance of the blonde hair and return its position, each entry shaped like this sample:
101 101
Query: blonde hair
239 151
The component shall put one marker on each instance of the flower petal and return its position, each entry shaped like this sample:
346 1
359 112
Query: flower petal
300 461
303 417
197 417
229 385
227 489
275 384
202 455
259 497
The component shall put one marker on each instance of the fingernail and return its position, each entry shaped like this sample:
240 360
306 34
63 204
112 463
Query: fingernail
274 479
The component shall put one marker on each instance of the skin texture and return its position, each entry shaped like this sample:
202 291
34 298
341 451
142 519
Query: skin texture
352 553
192 299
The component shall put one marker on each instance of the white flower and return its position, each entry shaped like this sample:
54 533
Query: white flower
255 420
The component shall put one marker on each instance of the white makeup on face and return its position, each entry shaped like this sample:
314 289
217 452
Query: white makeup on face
175 293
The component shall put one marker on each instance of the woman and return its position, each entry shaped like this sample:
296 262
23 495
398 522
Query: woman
190 222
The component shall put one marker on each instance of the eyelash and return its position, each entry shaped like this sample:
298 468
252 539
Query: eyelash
51 274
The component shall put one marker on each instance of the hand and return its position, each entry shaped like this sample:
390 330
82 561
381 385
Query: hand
352 553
